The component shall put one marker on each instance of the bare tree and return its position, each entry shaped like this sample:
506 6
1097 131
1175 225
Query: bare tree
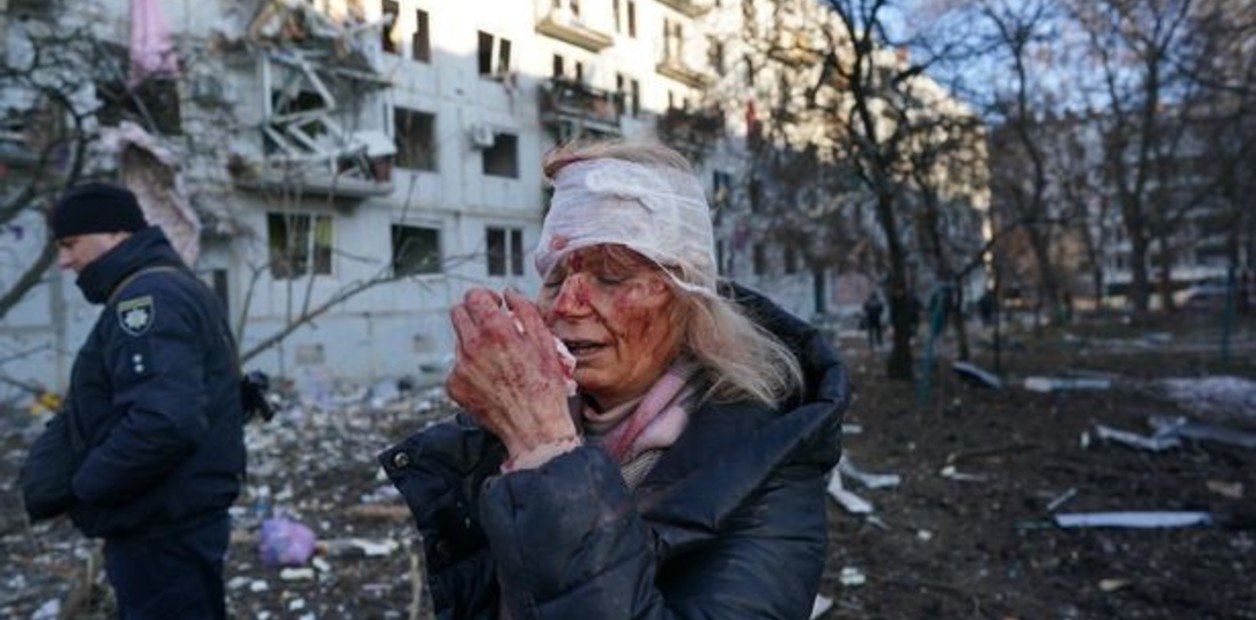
1136 45
889 110
1018 32
48 127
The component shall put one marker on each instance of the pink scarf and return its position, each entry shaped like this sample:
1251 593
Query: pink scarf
657 420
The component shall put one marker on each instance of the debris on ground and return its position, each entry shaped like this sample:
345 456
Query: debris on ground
1061 384
285 543
951 473
851 502
847 468
821 606
977 376
1133 519
1232 490
1213 396
1062 499
1181 427
1155 443
852 576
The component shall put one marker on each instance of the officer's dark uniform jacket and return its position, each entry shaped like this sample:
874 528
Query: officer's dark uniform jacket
730 523
154 396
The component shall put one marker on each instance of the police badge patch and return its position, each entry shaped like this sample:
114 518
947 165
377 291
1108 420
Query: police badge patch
135 316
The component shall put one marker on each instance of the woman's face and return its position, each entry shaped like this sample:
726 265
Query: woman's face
616 313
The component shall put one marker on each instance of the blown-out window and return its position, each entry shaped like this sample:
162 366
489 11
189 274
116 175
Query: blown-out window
299 244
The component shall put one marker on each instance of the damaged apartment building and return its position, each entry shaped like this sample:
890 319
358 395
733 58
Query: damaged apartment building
342 171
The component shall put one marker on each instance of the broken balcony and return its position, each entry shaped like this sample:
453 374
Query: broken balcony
690 8
691 131
575 109
561 23
675 68
319 135
795 47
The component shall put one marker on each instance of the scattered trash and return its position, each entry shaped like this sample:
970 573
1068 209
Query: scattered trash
1216 395
296 574
1061 384
1062 499
378 512
1232 490
821 606
259 586
851 576
1133 519
924 535
977 376
285 543
297 604
50 610
382 494
321 565
949 472
847 467
1156 443
1112 585
235 583
852 429
851 502
1202 431
350 547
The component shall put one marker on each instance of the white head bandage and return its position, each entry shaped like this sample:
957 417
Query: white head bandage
658 212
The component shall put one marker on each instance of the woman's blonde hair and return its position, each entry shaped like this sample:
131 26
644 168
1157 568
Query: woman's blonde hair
740 358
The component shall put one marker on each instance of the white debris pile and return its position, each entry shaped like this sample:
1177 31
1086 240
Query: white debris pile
1215 396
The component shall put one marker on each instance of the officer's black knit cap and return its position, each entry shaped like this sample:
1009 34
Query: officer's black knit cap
96 208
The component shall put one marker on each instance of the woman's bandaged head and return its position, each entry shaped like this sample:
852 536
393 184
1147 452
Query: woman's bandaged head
658 212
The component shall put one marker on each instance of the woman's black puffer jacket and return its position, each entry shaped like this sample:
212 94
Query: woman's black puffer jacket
729 524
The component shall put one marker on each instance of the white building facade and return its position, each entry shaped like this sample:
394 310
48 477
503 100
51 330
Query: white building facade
388 153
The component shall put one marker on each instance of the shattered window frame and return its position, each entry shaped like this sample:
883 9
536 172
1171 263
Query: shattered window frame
421 40
387 39
502 159
414 133
299 244
503 251
416 250
493 55
791 259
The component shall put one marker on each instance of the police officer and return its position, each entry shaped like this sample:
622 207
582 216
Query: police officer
155 397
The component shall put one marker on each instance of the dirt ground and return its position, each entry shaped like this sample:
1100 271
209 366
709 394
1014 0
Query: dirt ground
935 547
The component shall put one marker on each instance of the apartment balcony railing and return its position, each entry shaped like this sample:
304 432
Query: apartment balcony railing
795 47
690 8
575 108
560 23
305 147
675 68
691 131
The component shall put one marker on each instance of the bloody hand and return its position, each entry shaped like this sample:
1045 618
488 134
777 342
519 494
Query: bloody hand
510 380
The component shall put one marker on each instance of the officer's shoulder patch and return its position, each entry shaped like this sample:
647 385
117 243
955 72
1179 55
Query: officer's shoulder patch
136 315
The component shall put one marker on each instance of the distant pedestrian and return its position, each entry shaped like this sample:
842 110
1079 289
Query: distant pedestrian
153 418
872 311
914 311
987 308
